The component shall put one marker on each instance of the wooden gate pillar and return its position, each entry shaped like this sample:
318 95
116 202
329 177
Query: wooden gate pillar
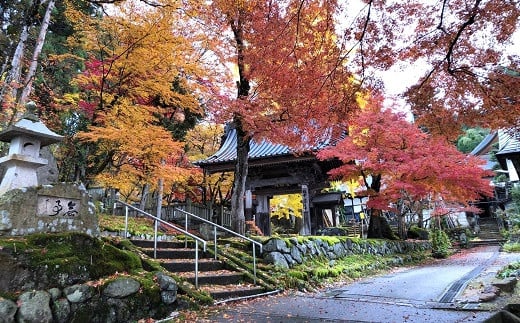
305 229
263 216
249 205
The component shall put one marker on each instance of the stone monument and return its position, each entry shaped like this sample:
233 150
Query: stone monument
27 207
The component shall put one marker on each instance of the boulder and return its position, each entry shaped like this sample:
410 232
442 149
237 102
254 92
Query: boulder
275 244
121 287
168 287
34 307
277 259
506 285
78 293
8 310
166 282
296 254
55 293
61 310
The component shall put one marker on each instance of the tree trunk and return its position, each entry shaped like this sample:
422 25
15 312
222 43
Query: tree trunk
403 232
378 227
36 53
144 196
420 218
14 77
243 138
239 183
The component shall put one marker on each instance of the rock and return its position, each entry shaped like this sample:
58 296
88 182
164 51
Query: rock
61 310
5 221
166 282
277 259
275 244
296 254
34 307
55 293
8 310
487 297
78 293
168 296
290 261
121 287
339 250
168 287
506 285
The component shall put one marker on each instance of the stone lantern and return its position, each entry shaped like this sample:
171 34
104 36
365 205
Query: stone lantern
26 137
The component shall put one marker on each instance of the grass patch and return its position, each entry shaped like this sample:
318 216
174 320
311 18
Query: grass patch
136 225
511 269
511 247
314 273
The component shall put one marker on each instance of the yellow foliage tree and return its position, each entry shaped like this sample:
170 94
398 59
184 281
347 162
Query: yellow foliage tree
140 152
283 206
141 68
202 141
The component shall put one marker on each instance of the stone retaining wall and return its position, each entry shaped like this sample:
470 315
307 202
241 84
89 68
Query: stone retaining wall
291 251
121 300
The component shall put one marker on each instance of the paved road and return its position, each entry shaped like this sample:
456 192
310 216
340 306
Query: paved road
427 293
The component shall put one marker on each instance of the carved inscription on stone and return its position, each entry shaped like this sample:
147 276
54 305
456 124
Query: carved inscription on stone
57 206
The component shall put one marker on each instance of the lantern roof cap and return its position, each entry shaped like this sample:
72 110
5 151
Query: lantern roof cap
30 126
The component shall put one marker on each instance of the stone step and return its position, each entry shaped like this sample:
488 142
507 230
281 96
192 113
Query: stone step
163 244
176 253
188 265
219 292
220 277
486 242
223 285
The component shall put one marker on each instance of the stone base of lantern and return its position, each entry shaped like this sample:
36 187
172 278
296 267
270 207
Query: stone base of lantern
20 171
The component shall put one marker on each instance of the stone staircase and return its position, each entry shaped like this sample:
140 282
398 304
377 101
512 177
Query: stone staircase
489 234
216 277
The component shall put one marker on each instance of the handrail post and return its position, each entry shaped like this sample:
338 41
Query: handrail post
126 222
186 228
254 263
215 240
196 264
155 239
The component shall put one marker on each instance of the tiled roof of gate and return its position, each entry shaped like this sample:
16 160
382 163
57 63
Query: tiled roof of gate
264 149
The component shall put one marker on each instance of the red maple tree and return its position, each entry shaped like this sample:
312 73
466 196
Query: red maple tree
397 160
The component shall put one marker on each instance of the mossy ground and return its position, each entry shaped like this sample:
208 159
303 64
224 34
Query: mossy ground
96 260
135 225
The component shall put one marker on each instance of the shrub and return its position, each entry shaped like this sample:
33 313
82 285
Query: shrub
441 244
418 233
511 247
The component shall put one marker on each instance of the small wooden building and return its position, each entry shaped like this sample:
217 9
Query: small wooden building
273 170
507 154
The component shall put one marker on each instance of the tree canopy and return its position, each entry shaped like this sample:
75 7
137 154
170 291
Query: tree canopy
296 71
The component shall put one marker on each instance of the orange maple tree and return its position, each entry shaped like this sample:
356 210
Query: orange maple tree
463 51
293 85
396 160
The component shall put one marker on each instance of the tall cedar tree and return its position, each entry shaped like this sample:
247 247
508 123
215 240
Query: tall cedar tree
401 160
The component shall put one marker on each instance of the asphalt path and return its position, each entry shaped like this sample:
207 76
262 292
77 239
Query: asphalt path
426 293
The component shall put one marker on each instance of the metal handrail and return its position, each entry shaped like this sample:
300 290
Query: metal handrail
215 227
157 220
